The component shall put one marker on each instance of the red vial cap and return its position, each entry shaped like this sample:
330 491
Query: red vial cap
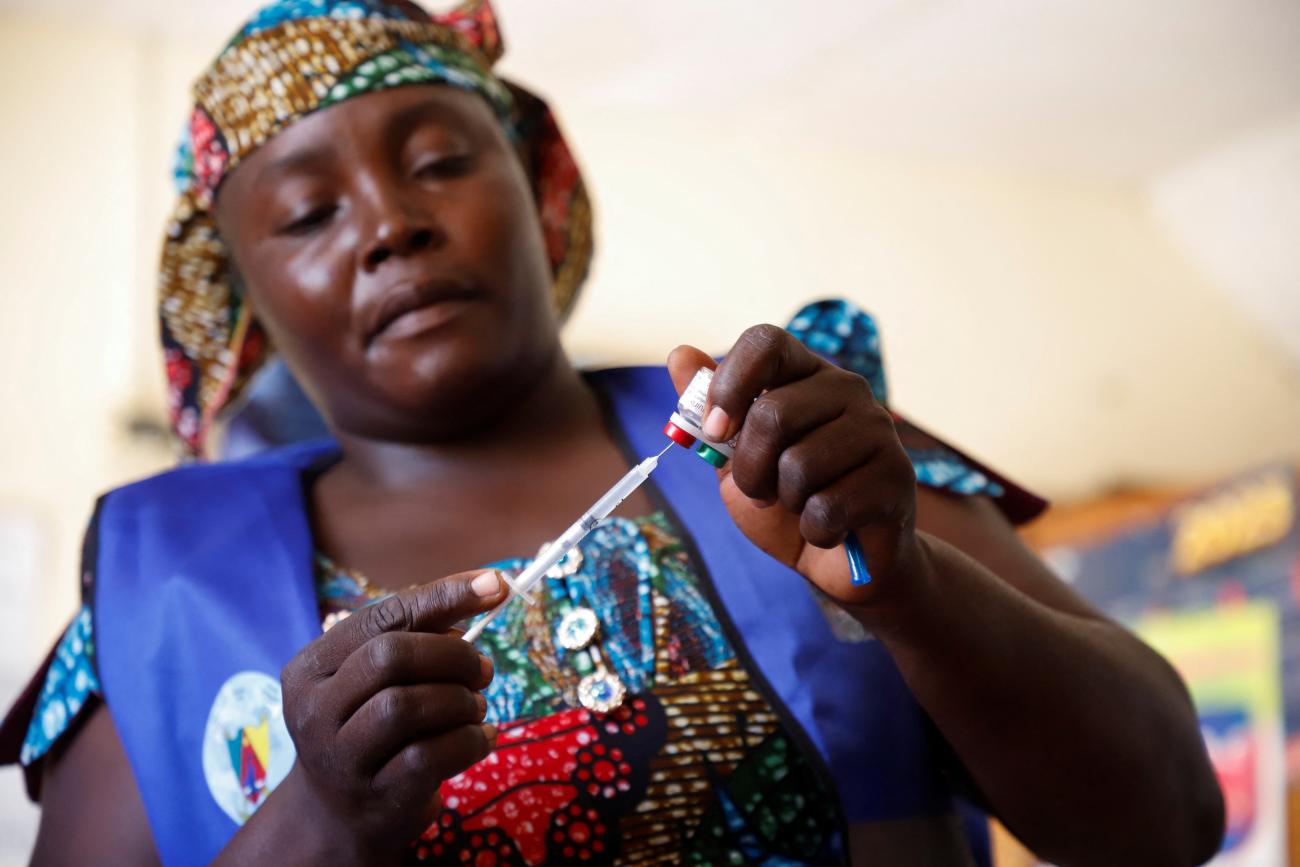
677 435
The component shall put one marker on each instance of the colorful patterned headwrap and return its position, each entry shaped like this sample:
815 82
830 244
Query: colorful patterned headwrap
292 58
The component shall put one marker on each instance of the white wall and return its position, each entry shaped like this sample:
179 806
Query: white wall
1045 323
1235 210
68 274
66 266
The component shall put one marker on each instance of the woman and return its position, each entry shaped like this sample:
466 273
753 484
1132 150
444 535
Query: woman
701 682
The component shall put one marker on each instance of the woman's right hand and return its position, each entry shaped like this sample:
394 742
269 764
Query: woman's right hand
382 708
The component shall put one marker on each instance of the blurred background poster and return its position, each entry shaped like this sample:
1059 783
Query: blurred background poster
1231 663
1213 581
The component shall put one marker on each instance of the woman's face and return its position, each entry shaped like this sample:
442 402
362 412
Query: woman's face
391 249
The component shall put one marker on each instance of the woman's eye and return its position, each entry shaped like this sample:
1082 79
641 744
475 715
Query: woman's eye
445 167
310 221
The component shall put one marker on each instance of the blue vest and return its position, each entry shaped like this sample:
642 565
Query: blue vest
205 572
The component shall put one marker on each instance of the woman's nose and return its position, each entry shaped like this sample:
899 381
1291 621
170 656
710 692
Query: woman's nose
399 231
401 241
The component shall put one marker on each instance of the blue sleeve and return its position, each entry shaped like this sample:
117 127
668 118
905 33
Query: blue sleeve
63 689
69 686
844 334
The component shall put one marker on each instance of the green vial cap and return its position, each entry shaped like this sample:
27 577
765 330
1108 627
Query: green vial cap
712 455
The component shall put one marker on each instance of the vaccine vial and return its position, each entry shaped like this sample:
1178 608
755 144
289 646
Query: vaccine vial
686 428
685 425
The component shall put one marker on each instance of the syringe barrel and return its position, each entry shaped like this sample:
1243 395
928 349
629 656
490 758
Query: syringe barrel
554 553
622 489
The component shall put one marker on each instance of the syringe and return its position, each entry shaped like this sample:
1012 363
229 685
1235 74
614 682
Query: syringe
570 538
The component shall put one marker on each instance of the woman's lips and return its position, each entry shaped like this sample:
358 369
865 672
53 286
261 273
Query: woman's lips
414 308
423 319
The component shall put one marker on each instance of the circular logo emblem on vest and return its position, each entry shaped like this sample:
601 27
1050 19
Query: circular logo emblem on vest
246 747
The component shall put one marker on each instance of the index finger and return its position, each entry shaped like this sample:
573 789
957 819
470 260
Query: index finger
763 358
433 607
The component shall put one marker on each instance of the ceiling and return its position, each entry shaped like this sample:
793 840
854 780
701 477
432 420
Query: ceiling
1107 88
1117 91
1104 88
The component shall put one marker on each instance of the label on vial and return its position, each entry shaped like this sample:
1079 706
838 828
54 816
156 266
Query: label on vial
691 404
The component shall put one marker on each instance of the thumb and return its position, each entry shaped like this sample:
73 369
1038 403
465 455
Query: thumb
684 361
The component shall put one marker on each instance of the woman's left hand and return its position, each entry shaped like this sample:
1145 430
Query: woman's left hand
816 458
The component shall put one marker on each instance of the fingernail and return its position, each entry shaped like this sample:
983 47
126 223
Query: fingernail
490 732
715 426
485 665
481 700
487 584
